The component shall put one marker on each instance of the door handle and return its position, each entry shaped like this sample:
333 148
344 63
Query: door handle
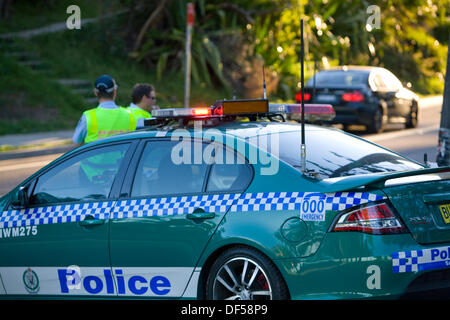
200 214
91 221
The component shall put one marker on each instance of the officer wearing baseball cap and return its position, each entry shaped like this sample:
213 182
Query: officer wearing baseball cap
107 119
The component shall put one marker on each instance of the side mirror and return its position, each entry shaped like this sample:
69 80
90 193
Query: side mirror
19 199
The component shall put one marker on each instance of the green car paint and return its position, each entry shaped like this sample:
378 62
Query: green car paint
123 256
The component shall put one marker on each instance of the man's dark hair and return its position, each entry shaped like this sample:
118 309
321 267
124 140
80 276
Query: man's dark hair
140 90
105 86
105 95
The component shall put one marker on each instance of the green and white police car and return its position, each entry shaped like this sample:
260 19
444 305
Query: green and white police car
201 206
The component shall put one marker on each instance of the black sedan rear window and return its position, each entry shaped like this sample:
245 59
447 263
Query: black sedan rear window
332 153
340 78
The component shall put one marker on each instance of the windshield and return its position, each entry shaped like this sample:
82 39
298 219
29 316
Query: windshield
340 78
331 153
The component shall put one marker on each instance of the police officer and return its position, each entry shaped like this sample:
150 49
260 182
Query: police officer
107 119
143 100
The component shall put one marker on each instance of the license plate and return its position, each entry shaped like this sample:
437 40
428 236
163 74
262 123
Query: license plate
326 98
445 212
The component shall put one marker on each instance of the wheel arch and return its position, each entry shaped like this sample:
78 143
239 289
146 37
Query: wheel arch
383 105
206 267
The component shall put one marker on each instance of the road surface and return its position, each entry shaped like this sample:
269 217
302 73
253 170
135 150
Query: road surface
412 143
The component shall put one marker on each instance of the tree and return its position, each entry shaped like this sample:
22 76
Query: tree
5 9
443 157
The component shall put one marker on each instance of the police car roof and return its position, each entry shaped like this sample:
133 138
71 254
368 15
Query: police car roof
236 128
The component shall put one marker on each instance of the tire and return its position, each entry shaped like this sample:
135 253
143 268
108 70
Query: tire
412 118
242 273
378 123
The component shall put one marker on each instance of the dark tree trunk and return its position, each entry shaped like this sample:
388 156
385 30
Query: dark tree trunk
443 157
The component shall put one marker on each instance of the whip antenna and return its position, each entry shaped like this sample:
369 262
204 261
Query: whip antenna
302 83
264 82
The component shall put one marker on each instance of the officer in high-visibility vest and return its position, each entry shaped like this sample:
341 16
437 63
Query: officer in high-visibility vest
106 120
143 100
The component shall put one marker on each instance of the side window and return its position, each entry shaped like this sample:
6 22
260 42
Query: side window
391 81
379 83
87 176
169 168
396 84
231 173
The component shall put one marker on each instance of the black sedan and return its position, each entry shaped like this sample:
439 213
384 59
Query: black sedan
369 96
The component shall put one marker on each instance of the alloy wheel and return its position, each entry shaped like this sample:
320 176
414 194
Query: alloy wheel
241 278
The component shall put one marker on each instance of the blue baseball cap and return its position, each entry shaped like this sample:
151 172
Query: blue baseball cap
105 83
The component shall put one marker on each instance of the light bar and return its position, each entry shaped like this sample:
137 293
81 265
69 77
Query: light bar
198 112
237 107
313 112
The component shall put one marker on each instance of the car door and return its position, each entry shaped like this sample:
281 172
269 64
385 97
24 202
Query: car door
160 229
57 244
403 99
383 93
396 103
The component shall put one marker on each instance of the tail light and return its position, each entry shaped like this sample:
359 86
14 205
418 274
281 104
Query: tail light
355 96
307 96
374 219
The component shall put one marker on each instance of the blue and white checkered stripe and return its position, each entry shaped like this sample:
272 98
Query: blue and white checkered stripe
343 200
220 203
273 201
420 260
407 261
54 214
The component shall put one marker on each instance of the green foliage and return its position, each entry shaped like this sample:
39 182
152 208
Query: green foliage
165 42
83 54
336 33
27 14
31 102
412 42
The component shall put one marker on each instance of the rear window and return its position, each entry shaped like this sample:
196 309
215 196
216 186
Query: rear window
340 78
331 153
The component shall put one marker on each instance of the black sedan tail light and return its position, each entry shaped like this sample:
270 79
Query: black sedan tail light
354 96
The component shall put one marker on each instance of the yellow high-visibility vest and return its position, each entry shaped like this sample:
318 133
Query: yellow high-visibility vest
102 123
139 113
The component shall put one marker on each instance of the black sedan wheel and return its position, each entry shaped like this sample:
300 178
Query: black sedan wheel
412 118
242 273
378 122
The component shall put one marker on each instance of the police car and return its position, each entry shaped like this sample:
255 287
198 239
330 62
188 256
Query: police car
222 202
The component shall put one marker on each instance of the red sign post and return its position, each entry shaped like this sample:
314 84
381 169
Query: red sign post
190 13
